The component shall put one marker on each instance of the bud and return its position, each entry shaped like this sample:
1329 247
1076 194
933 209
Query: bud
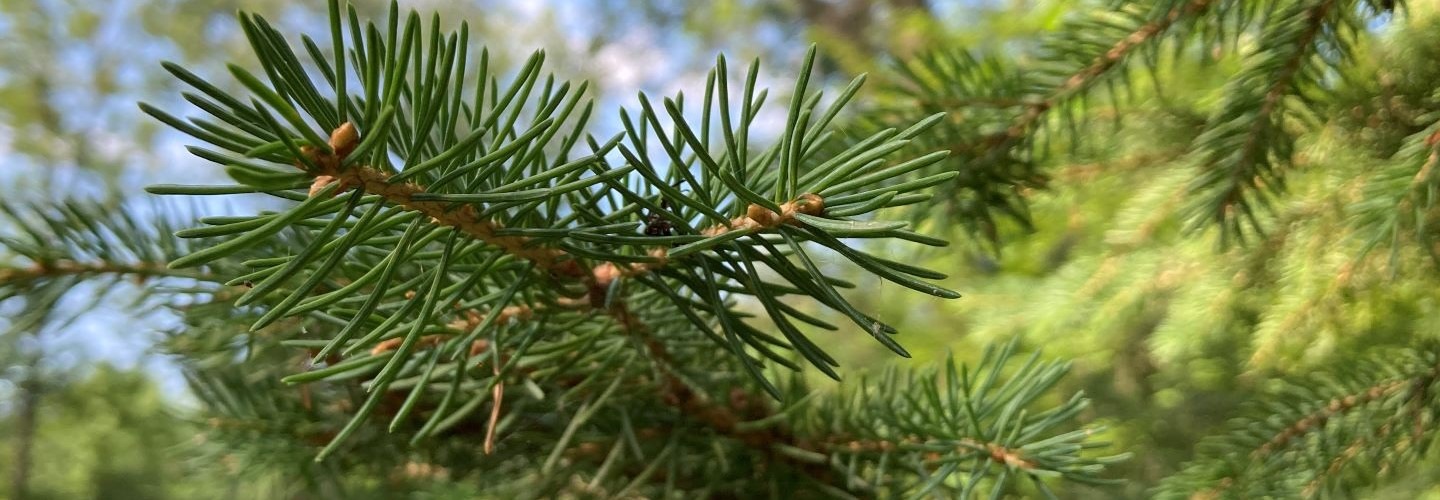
810 204
761 215
344 139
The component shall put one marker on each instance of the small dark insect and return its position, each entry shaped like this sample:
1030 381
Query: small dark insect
248 284
656 224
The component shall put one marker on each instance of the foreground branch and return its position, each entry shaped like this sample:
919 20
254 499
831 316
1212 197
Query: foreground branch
722 419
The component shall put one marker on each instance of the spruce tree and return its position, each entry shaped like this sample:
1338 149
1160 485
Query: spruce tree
465 286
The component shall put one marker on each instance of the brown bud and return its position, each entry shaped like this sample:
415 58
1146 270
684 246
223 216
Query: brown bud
344 139
761 215
321 182
810 204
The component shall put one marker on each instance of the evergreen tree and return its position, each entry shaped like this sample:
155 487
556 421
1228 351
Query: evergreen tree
466 286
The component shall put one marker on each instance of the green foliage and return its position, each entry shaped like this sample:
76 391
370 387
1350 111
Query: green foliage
1245 146
1397 210
52 248
994 428
989 417
1326 437
985 137
463 247
1009 114
466 293
109 435
1178 335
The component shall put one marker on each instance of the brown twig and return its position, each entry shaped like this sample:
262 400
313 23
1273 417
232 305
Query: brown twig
498 396
58 268
1124 46
466 219
1352 450
995 452
1423 175
1320 417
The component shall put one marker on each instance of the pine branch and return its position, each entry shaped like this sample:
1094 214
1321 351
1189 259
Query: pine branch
1398 203
1305 442
724 420
53 247
1245 147
1063 48
1147 33
783 441
411 196
529 229
493 244
1078 81
959 419
1003 112
557 263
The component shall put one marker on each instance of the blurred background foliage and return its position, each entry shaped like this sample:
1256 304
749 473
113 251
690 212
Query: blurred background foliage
1169 335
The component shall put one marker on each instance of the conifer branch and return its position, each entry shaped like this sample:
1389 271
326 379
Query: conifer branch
464 218
1398 203
1146 33
1283 84
675 392
50 247
1002 112
1299 446
1336 407
450 291
490 244
722 419
1245 147
1112 58
998 453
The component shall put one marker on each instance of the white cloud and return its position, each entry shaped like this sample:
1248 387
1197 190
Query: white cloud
632 61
